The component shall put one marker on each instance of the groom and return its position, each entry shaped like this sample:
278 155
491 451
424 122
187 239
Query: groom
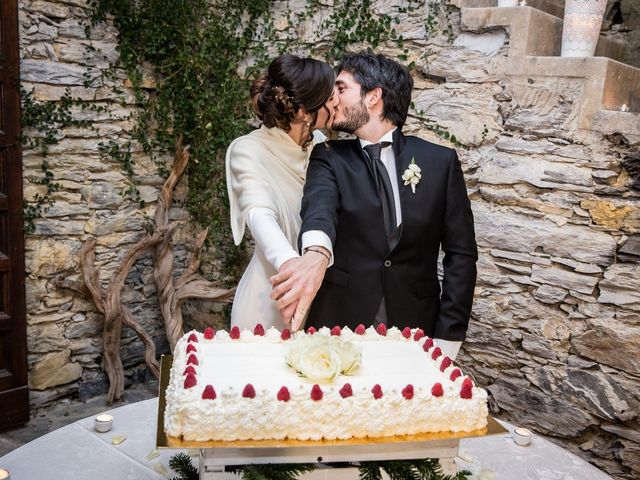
376 210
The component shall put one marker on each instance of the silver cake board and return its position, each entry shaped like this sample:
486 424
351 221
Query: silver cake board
214 460
216 455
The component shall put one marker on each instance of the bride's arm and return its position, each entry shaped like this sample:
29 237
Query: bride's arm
269 236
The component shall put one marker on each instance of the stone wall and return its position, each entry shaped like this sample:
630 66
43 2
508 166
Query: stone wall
555 330
64 329
555 333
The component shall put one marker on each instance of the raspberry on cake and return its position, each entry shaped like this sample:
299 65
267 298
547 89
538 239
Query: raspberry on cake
234 333
285 334
209 393
407 392
377 391
346 391
401 375
284 395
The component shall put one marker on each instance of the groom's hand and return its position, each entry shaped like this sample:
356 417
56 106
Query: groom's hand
296 284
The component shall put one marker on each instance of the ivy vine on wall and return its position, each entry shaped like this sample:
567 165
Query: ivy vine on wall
45 120
203 54
197 49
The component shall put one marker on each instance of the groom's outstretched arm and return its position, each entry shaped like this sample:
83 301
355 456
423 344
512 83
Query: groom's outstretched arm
298 281
460 255
321 198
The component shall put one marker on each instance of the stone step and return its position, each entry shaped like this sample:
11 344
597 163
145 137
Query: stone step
531 31
606 86
552 7
534 44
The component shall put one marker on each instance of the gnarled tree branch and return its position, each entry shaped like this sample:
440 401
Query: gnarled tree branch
171 291
174 291
115 313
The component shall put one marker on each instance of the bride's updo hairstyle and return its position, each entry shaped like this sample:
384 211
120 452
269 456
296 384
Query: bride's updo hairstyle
291 83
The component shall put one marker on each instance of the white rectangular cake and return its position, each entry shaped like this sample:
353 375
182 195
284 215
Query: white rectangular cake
248 386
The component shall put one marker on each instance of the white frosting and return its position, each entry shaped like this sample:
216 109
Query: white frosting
391 361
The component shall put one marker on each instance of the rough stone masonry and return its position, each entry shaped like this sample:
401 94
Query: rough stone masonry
555 333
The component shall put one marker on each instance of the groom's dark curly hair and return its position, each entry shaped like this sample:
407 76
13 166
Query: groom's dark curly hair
371 71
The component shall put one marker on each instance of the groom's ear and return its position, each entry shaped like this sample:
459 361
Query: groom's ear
374 97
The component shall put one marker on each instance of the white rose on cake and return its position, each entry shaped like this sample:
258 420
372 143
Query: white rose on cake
321 359
295 349
350 355
319 363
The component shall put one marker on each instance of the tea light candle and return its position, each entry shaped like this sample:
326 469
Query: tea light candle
522 436
624 108
103 422
4 474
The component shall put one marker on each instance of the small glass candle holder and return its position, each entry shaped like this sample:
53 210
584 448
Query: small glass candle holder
4 474
103 422
522 436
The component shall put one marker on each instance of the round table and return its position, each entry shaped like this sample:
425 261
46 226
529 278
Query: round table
78 452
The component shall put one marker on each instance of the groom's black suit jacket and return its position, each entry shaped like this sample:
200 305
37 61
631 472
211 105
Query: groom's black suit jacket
340 199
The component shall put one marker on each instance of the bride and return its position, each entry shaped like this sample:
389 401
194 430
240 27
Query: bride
266 171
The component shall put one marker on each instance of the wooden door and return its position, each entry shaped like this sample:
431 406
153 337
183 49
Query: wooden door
14 391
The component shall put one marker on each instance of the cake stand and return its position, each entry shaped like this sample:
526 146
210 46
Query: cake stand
216 455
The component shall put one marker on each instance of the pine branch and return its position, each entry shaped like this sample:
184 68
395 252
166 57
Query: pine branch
181 463
401 470
462 475
370 471
285 471
424 469
429 469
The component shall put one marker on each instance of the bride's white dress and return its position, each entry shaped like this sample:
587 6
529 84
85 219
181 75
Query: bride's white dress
265 175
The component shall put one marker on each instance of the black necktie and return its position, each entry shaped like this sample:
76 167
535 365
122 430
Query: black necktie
383 184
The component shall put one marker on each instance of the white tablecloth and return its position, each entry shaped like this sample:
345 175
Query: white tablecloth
78 452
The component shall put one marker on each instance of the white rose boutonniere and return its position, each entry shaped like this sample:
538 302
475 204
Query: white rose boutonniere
412 175
321 359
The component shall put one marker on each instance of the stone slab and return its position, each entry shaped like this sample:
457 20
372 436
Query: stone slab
611 342
496 228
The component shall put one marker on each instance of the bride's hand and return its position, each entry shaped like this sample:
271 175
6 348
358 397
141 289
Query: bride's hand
287 314
278 290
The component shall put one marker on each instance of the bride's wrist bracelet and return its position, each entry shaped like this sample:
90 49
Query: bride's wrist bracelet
311 249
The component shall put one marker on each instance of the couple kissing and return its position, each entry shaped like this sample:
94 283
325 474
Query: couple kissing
348 232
